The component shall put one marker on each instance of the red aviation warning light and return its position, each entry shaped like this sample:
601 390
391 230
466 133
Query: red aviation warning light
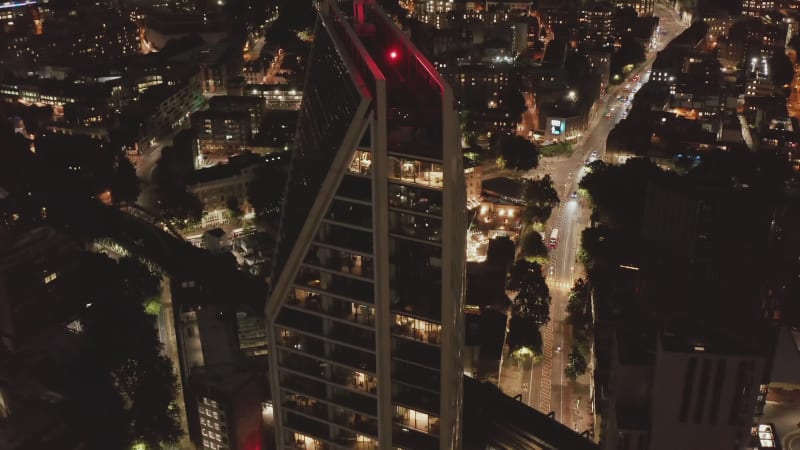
394 55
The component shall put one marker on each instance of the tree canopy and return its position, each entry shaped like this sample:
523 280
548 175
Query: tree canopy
123 347
782 68
533 296
532 245
512 101
519 153
124 183
576 364
541 197
524 333
266 191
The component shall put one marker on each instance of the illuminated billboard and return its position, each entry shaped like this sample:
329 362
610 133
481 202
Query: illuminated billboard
557 126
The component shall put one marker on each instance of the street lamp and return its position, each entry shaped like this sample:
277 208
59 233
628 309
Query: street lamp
572 95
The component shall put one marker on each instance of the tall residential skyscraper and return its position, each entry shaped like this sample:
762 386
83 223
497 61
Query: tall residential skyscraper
365 312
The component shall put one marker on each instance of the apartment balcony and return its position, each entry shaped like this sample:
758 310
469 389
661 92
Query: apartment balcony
345 238
353 358
299 441
356 402
361 164
342 262
416 420
415 375
410 438
307 426
353 312
306 300
351 335
417 353
355 441
302 364
416 399
300 321
355 214
356 422
335 284
417 227
417 329
354 379
306 406
301 342
412 171
425 201
303 385
356 188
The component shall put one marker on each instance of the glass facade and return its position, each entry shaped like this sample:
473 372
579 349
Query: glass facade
365 318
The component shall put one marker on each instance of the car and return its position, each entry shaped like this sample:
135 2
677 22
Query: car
594 155
574 195
587 162
607 115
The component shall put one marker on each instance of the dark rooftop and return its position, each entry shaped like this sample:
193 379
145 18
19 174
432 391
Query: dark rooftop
494 420
503 187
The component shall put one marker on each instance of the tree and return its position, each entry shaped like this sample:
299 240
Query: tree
181 206
533 303
500 252
519 153
782 68
523 273
524 333
512 102
576 364
125 183
122 342
532 245
533 296
266 191
579 309
233 206
541 197
139 279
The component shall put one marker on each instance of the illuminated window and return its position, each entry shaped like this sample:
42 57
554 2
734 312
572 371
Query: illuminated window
50 278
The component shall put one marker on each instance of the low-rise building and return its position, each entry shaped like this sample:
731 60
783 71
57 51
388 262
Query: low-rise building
218 186
221 133
277 96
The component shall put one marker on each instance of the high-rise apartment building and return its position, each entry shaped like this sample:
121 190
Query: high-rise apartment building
757 8
365 313
642 7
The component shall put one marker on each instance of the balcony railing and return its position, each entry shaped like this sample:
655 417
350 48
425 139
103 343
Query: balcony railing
357 402
353 312
354 380
421 354
357 422
308 407
302 364
420 200
415 399
353 358
356 187
304 385
307 426
352 335
416 376
347 238
417 227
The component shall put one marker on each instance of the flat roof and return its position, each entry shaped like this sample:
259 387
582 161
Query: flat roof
492 418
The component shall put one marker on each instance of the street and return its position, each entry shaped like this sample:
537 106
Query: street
544 386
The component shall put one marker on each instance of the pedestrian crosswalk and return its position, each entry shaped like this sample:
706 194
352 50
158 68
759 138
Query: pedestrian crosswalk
560 284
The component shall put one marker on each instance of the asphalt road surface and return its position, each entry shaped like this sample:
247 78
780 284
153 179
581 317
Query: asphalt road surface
544 385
